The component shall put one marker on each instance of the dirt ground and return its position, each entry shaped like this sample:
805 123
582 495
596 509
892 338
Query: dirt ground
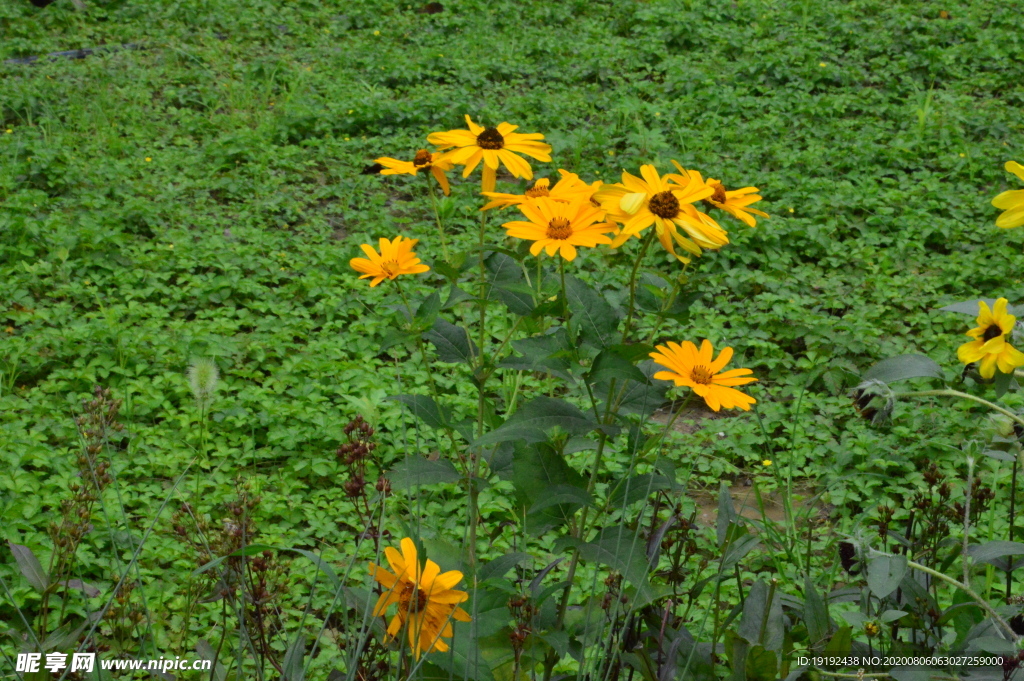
742 491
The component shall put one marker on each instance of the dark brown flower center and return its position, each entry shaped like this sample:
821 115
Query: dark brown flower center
422 159
719 195
559 228
490 139
664 205
417 604
538 190
991 332
701 374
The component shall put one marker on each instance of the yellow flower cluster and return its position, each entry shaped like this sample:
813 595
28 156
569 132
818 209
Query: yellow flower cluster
571 213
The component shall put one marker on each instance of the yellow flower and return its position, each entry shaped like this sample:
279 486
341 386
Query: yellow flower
569 188
492 146
734 202
1012 201
425 597
557 226
990 344
665 203
766 462
436 163
698 371
148 159
395 258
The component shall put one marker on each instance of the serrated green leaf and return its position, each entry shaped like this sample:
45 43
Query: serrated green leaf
561 494
536 469
971 307
532 421
415 470
989 551
428 310
595 318
609 364
903 367
620 548
426 409
637 487
452 342
498 567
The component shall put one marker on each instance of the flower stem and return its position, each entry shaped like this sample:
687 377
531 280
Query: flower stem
480 380
632 284
1013 519
437 216
967 520
948 392
973 596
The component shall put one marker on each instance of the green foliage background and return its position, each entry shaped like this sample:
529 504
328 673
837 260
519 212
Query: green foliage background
202 195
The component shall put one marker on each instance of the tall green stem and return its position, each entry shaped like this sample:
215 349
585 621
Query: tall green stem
632 284
947 392
974 597
437 216
480 380
1013 518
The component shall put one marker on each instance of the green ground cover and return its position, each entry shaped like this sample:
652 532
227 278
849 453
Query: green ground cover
201 196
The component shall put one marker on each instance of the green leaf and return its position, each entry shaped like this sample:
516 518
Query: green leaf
561 494
891 616
726 512
632 352
415 470
452 342
761 664
971 307
428 310
595 318
903 367
754 607
506 283
455 296
1004 382
464 660
639 398
609 364
989 551
518 298
549 353
738 549
536 470
426 410
393 337
497 568
885 574
637 487
447 270
531 422
840 643
29 567
324 566
248 550
815 615
292 665
620 548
